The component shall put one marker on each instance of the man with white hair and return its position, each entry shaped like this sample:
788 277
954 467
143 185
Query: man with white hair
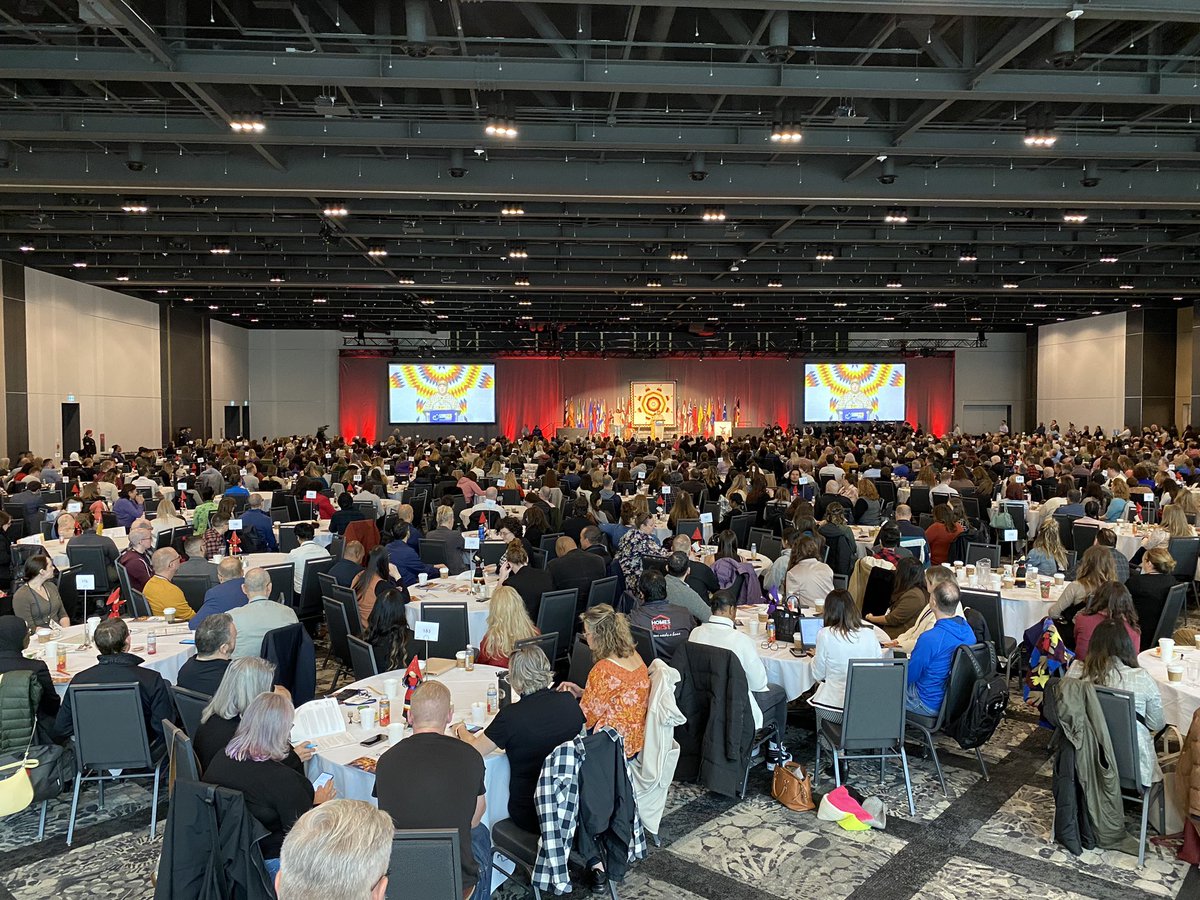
339 850
259 615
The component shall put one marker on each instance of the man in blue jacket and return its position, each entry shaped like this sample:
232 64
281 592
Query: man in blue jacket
929 664
406 560
254 517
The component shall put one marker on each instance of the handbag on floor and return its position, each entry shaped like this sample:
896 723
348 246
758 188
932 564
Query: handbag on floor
792 787
16 788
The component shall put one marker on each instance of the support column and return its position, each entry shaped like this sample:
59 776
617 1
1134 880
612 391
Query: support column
185 361
1031 382
15 367
1149 367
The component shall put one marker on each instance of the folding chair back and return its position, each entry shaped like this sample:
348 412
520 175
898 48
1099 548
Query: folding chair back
453 632
426 864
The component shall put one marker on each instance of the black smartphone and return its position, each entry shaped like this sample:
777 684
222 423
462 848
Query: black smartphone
799 654
372 741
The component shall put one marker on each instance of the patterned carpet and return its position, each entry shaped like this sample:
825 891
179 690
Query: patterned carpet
990 839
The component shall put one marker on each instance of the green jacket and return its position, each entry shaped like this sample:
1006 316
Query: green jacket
1082 722
20 694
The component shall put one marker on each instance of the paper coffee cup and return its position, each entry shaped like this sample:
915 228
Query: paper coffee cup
1166 647
90 627
395 732
366 717
1059 579
43 635
1175 672
422 578
460 659
798 641
391 687
1045 586
169 614
478 712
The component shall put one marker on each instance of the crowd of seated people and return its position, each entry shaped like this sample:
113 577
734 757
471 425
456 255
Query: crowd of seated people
613 506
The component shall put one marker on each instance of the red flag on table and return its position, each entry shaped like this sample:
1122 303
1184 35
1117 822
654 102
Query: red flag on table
412 677
697 536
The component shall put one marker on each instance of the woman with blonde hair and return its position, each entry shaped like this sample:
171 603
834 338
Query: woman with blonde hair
1048 553
511 484
927 477
508 622
617 692
166 517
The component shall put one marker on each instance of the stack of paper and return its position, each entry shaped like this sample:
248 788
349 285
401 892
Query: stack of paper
320 722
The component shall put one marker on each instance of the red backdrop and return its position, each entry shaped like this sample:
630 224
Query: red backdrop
532 392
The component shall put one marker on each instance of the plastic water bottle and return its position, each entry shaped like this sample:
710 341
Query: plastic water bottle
753 550
151 643
493 700
482 534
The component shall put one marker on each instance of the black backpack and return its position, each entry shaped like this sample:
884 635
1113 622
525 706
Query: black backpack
985 708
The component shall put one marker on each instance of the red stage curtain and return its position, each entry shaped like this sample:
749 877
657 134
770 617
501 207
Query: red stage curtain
532 392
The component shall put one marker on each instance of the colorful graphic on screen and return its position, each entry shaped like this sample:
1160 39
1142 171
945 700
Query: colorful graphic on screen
441 394
853 392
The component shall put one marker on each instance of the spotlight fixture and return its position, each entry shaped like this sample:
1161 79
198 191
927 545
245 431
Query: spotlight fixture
1010 285
968 255
774 283
1042 138
442 316
247 123
336 210
653 282
277 278
518 252
319 300
1039 306
79 263
1108 258
220 248
521 281
406 279
377 250
27 247
679 253
135 206
1127 287
500 127
427 301
738 305
713 214
895 283
786 133
826 256
212 306
524 303
896 216
512 209
122 275
1075 216
841 304
938 305
188 299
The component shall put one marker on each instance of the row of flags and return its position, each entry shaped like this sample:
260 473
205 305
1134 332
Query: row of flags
699 417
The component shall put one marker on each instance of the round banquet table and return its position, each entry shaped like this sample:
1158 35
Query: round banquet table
1024 607
259 560
172 651
354 783
1180 699
452 590
864 538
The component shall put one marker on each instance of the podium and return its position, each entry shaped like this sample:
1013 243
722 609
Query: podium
723 430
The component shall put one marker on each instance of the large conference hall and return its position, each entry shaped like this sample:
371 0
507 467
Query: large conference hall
468 449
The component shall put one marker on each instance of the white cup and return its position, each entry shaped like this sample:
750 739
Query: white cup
751 624
169 615
1166 647
366 717
422 578
52 654
478 713
1059 579
217 558
91 623
395 732
391 687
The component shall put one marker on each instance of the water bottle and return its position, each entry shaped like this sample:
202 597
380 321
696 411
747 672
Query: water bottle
753 550
770 631
151 643
493 700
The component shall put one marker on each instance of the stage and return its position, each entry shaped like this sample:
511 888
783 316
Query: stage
535 392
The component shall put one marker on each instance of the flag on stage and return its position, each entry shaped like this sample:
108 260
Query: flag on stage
724 411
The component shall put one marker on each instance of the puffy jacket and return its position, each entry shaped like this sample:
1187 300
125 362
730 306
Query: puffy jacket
715 741
1187 770
19 696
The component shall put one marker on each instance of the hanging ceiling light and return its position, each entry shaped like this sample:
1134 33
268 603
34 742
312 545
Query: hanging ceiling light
521 281
679 253
518 252
895 283
1010 285
406 279
135 206
1075 216
79 263
968 255
512 209
277 278
336 210
26 247
653 282
1108 258
377 250
1039 130
786 133
775 283
122 275
247 123
500 127
220 248
713 214
896 216
825 255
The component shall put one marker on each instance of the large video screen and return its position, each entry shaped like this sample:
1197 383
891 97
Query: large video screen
853 392
441 393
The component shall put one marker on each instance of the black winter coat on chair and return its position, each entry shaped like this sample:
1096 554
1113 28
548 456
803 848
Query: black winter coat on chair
715 741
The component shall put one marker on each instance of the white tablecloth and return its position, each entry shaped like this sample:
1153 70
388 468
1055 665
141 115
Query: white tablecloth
792 673
172 652
1180 698
465 688
1024 607
452 590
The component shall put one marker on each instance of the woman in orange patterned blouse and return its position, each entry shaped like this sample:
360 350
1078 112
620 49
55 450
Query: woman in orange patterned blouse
618 688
